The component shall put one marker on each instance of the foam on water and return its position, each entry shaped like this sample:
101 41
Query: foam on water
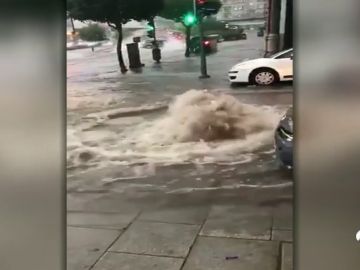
199 127
201 116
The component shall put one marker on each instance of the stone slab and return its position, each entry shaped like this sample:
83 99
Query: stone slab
121 261
283 218
85 246
237 222
209 253
287 256
153 238
282 235
176 215
83 202
100 220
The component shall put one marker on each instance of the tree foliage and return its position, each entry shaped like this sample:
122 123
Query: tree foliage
92 32
176 9
115 13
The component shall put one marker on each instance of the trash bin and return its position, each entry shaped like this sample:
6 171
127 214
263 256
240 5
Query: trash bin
134 55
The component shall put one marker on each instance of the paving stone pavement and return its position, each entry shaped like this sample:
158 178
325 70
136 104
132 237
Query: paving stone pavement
120 261
152 238
178 215
238 222
282 235
209 253
85 246
181 239
100 220
287 256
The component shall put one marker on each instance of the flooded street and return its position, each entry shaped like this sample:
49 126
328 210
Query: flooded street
179 159
164 130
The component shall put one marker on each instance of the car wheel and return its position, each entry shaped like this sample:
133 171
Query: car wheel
264 76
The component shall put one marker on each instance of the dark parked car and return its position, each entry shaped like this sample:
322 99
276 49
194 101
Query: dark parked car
149 44
260 32
219 38
284 140
234 32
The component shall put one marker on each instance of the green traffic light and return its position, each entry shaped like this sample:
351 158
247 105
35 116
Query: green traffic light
189 19
149 27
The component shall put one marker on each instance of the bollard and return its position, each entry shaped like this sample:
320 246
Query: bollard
136 39
156 53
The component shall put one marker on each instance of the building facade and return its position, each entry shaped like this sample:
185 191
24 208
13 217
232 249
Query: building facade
279 26
233 10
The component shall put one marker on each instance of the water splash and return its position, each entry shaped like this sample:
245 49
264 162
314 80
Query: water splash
198 127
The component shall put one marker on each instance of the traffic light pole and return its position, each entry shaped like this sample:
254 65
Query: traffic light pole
156 52
203 68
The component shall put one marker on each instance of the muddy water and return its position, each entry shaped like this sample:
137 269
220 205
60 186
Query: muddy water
196 127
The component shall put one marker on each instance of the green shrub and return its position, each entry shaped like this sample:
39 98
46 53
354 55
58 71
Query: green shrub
93 32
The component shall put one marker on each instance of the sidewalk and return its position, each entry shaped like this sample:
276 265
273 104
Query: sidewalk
199 238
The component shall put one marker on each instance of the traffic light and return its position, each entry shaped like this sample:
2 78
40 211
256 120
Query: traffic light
189 19
150 30
200 4
207 7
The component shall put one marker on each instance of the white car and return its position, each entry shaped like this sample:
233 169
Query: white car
264 71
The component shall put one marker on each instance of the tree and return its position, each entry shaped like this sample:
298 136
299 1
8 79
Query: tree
180 11
175 10
92 32
115 13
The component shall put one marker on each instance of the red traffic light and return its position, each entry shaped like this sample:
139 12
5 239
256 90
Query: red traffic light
206 43
200 2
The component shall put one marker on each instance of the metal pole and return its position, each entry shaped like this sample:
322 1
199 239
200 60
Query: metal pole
272 38
202 51
72 24
156 50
